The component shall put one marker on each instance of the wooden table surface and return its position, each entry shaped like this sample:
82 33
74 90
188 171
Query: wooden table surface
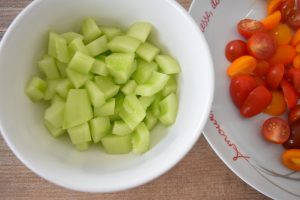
200 175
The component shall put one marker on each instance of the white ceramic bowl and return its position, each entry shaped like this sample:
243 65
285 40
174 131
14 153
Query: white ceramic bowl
94 171
238 141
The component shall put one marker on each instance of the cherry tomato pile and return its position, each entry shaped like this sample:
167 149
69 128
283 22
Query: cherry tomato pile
265 74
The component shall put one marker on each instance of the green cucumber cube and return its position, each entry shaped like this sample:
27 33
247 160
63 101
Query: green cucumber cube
62 68
167 64
97 46
78 45
147 51
90 30
81 63
110 32
170 87
106 109
57 98
132 112
144 71
78 108
82 146
80 134
114 144
155 84
119 103
140 139
100 127
146 101
120 66
48 66
36 88
168 109
129 87
54 115
63 88
150 121
120 128
78 79
51 89
99 68
96 95
55 132
140 30
154 107
123 44
58 48
70 36
107 86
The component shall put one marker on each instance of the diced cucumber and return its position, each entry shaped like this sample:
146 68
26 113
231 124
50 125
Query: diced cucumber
147 51
140 30
54 114
144 71
102 57
82 146
61 68
156 83
36 88
78 108
48 66
167 64
132 112
57 98
123 44
150 120
119 103
55 132
120 128
58 48
96 95
170 87
90 30
70 36
140 139
110 32
63 88
51 88
106 109
129 87
97 46
146 101
100 126
168 109
114 144
107 86
80 134
154 107
81 63
120 66
99 68
78 45
78 79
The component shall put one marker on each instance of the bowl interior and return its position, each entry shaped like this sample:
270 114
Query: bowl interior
95 171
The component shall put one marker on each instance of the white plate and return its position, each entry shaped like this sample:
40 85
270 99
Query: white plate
237 141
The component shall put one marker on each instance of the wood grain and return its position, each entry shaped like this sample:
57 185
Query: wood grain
200 175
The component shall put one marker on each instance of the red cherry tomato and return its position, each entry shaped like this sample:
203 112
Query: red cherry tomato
294 19
294 114
261 45
256 102
275 75
293 141
276 130
247 27
294 75
262 68
235 49
286 9
290 94
260 81
240 87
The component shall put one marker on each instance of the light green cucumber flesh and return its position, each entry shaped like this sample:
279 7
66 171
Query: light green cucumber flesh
54 114
167 64
62 68
97 46
55 132
124 44
58 48
96 95
99 68
90 30
70 36
80 134
106 109
48 66
107 86
78 45
146 101
144 71
114 144
78 79
156 83
100 126
57 98
36 88
110 32
168 109
82 146
140 139
147 51
63 88
150 120
81 63
140 30
129 87
170 87
120 128
51 89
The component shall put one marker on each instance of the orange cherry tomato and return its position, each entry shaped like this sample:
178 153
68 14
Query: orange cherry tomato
290 94
284 54
296 38
275 75
291 159
296 62
242 65
261 45
247 27
256 102
272 20
262 68
276 130
277 106
282 34
273 5
297 48
235 49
